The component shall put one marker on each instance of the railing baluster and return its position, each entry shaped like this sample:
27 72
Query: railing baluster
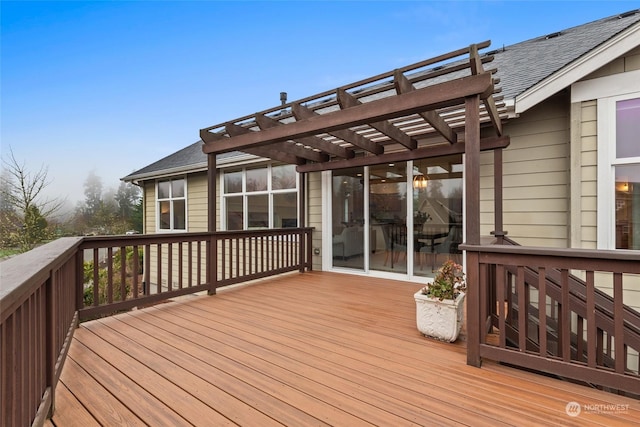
180 264
522 309
500 293
592 333
159 268
123 273
109 274
542 311
169 267
136 271
618 321
565 317
96 282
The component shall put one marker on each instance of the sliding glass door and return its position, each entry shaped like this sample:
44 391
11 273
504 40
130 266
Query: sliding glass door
399 217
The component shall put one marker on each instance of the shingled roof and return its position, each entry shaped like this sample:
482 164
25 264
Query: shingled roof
523 68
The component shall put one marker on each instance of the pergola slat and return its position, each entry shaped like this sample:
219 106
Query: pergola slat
266 122
486 144
403 85
301 112
346 100
441 95
266 152
488 101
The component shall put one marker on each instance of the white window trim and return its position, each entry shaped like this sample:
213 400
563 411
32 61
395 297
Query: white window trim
606 137
244 194
186 205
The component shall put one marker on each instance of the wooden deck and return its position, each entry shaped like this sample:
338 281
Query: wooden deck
301 350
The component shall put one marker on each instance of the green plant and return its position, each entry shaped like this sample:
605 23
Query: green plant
448 283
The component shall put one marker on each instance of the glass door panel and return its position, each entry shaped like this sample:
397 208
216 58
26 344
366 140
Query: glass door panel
437 212
387 217
348 218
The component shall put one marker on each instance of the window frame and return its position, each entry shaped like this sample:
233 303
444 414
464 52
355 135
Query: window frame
171 201
245 194
607 162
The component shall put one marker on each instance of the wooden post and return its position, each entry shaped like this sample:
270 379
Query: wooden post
212 243
498 195
302 222
472 221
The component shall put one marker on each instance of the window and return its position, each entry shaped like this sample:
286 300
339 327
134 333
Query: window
172 204
627 174
619 172
263 197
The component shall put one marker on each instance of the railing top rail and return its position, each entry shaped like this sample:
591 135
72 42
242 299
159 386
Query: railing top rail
23 273
617 255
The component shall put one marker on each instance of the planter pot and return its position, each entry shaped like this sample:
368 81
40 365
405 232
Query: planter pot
439 319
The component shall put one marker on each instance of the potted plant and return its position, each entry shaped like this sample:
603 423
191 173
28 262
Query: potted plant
439 305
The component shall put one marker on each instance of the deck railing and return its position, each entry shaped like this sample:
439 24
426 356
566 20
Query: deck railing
44 293
558 311
37 317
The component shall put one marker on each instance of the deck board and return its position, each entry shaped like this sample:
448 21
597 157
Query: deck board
301 349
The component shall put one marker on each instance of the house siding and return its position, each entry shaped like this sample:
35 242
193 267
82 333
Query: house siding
584 173
535 177
314 213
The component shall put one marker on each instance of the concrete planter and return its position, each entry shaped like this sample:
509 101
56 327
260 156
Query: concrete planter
439 319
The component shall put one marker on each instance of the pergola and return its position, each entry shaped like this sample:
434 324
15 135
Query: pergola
428 109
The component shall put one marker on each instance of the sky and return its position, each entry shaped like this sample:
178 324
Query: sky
108 87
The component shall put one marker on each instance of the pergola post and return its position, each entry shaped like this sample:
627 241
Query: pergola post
472 222
302 221
212 257
498 196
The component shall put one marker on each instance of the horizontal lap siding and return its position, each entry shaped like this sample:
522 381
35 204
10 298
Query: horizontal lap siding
587 138
535 177
197 201
314 214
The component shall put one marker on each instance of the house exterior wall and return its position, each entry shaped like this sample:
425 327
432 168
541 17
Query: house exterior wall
535 177
584 153
314 214
584 173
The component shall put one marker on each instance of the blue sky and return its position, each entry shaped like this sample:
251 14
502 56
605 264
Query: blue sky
112 86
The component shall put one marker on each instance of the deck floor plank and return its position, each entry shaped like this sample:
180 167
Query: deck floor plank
303 349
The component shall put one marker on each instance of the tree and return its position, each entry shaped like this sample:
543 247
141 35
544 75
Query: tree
24 205
127 198
92 194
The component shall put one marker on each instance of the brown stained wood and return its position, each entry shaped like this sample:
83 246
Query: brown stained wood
486 144
487 98
103 406
347 135
346 101
155 404
303 349
312 141
69 410
438 96
208 137
403 85
270 152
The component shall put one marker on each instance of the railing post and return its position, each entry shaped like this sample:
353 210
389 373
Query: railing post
79 279
302 250
212 263
474 323
50 341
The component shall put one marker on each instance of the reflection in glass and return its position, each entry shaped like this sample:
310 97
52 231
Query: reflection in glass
257 179
627 190
285 210
258 211
437 213
179 215
234 213
283 177
348 218
388 216
233 182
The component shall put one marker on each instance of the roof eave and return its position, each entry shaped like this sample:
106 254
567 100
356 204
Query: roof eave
601 55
